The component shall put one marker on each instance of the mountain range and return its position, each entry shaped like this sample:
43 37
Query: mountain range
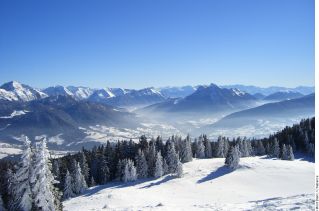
75 113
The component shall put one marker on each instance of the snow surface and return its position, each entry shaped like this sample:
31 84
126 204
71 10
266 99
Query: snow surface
259 184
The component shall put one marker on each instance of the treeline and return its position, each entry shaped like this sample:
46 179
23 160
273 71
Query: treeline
128 161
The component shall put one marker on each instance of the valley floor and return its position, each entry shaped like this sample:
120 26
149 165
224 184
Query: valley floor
259 184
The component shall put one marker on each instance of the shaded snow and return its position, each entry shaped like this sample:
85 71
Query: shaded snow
260 184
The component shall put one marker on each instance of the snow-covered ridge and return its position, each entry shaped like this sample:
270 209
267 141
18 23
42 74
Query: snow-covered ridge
14 113
14 91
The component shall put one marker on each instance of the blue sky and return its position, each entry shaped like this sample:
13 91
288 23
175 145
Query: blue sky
136 43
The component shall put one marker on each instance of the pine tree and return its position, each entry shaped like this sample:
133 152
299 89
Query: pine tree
220 147
260 150
208 147
171 157
284 154
165 167
186 150
232 158
151 158
159 165
275 149
68 186
22 184
84 166
79 183
200 149
103 171
290 152
129 171
179 169
44 192
141 165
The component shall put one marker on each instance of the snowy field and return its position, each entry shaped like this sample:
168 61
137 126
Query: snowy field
259 184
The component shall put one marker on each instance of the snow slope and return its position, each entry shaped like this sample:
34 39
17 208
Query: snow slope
260 183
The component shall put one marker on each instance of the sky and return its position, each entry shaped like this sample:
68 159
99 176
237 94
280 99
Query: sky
143 43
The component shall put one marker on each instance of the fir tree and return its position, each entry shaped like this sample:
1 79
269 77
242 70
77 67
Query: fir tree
141 165
129 171
84 166
186 150
208 147
171 157
22 183
200 149
179 169
68 186
284 154
44 192
79 183
290 152
159 165
232 158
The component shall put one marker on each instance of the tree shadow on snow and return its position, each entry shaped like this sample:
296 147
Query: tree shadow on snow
165 179
221 171
113 185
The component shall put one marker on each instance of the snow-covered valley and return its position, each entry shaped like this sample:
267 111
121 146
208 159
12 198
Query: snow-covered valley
259 184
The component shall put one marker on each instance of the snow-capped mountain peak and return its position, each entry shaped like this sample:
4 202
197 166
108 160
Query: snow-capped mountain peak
14 91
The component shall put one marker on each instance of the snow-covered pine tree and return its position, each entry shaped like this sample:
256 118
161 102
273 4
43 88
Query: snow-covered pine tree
68 186
129 171
171 157
284 154
179 169
275 149
103 171
56 172
290 152
200 149
44 192
165 167
208 147
232 158
79 183
141 165
186 150
84 166
22 184
151 158
220 147
260 149
159 165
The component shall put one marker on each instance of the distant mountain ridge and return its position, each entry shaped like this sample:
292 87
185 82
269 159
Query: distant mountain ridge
305 90
209 98
299 107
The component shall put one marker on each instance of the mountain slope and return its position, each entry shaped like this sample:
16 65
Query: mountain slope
177 92
207 185
300 107
59 115
280 96
15 91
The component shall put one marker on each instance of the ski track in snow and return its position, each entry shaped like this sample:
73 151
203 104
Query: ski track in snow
259 184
